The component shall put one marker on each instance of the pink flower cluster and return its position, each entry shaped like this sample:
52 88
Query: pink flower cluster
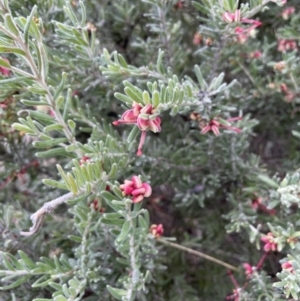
269 241
242 33
144 118
136 189
285 45
214 125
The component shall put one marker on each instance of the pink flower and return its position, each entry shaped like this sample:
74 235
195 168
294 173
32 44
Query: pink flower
197 39
270 244
136 189
144 118
287 12
242 35
84 159
286 45
255 54
248 269
214 125
288 266
157 230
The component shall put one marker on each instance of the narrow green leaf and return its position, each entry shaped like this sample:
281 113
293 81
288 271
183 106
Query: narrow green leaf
72 125
59 151
28 23
133 134
14 50
146 98
134 96
60 86
155 99
22 128
10 25
268 181
116 292
115 222
53 127
123 98
28 262
200 78
55 184
27 102
124 232
49 143
17 283
113 171
122 61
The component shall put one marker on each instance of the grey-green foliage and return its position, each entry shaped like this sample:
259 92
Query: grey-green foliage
69 79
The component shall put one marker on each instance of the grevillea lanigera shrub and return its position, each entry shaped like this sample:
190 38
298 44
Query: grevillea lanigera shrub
149 150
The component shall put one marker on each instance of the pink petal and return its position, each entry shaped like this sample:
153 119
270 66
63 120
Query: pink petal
142 124
136 109
148 189
215 130
137 183
154 125
129 116
147 109
137 199
265 239
138 191
206 129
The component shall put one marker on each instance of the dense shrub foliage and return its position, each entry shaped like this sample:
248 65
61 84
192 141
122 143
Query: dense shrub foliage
149 150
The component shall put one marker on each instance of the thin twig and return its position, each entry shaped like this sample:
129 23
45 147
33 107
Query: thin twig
200 254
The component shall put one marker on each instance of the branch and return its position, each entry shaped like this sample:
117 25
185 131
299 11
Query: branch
38 217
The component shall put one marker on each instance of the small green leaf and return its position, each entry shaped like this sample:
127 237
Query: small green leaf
49 143
55 184
268 181
200 78
17 283
53 127
123 98
124 232
10 25
159 63
14 50
22 128
133 134
72 125
59 151
146 97
122 61
113 171
28 262
29 24
155 99
116 292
